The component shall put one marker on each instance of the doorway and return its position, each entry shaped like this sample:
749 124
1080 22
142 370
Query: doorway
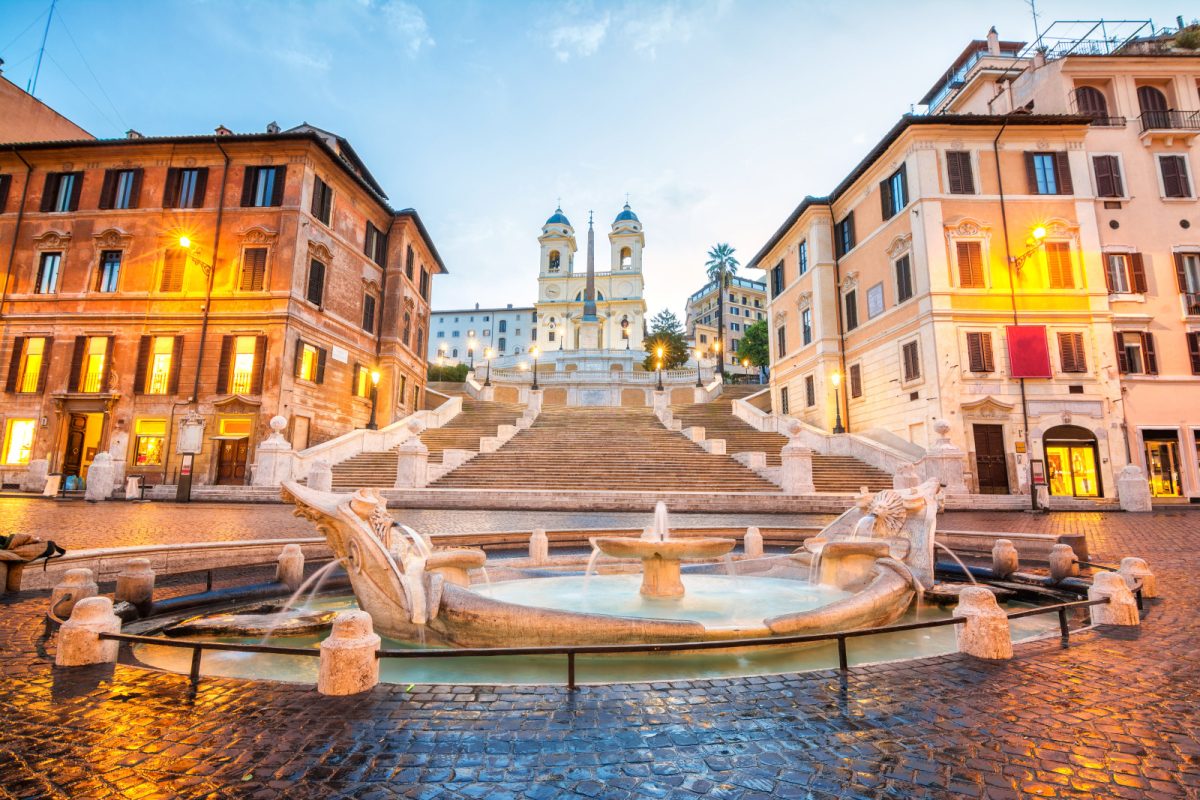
991 464
82 444
1162 462
231 461
1072 462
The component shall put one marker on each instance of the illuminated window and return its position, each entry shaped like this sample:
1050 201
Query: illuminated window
362 382
30 365
18 441
236 426
970 265
149 436
158 376
94 359
243 364
307 363
1058 263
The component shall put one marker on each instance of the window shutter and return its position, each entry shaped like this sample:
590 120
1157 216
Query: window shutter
954 173
1194 351
260 362
171 189
855 380
318 190
135 190
108 188
76 188
201 187
1080 358
1137 272
1108 272
985 344
176 363
174 259
316 282
49 191
248 186
1180 273
76 363
143 359
254 268
1103 166
1062 173
1122 357
297 358
1149 354
1031 173
970 265
354 379
5 187
277 189
975 352
14 364
321 364
850 230
109 352
224 364
885 197
47 346
1058 262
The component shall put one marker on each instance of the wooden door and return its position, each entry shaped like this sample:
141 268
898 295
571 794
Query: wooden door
231 462
990 463
76 432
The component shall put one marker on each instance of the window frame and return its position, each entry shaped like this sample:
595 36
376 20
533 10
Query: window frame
891 201
9 425
986 350
1078 360
918 376
321 207
1073 284
1061 168
1159 158
102 272
308 282
984 254
40 278
241 284
802 256
806 328
1119 162
906 259
972 170
810 391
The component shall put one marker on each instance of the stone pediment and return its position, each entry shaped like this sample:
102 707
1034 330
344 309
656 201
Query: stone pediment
989 407
237 404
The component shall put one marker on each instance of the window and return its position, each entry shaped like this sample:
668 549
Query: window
970 265
310 362
1108 176
912 361
626 257
420 348
1174 173
362 381
1124 273
5 186
806 326
1058 265
733 326
960 176
254 269
185 187
1193 340
61 192
29 365
240 370
424 283
18 440
1135 353
503 326
555 261
375 245
810 391
406 330
441 334
783 401
1090 102
843 235
1153 105
1070 352
263 186
856 380
503 345
1048 173
149 436
47 277
408 263
1187 275
979 352
777 279
315 293
904 285
802 256
322 200
875 301
734 311
851 302
174 267
121 188
110 271
368 315
781 340
893 192
90 363
158 365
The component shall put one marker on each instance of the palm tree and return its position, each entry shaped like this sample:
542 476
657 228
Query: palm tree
721 266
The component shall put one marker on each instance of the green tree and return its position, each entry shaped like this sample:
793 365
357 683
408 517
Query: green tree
753 345
721 266
456 373
666 331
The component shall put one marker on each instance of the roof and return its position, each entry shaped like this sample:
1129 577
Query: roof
626 215
346 151
975 46
907 121
412 214
558 218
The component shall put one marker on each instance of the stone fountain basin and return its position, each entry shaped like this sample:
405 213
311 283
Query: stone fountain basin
698 547
257 621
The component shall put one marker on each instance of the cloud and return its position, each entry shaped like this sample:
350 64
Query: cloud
579 38
406 22
658 26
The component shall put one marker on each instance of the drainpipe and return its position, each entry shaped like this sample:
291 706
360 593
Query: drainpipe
212 273
837 302
12 250
1012 293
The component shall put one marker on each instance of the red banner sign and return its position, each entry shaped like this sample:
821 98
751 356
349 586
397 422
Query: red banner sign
1028 352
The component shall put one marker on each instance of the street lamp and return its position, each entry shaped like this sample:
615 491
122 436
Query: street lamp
836 377
371 425
535 351
471 352
699 355
488 353
185 243
659 352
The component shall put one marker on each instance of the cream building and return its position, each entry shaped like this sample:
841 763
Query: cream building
743 302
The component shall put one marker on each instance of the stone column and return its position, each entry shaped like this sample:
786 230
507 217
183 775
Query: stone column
320 475
985 634
1133 490
348 662
412 464
75 585
752 543
1135 570
1121 608
539 546
290 569
79 641
1063 562
34 479
135 585
101 478
796 473
1005 560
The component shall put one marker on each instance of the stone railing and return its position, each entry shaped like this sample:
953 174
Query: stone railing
674 377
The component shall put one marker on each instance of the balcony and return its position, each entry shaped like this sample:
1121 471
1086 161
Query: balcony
1191 304
1169 125
1107 122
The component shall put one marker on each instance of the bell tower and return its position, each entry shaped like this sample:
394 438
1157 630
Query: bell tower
558 246
626 242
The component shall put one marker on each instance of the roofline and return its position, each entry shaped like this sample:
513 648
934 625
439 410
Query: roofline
478 310
972 47
889 138
412 213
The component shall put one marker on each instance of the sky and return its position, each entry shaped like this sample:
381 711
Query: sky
715 116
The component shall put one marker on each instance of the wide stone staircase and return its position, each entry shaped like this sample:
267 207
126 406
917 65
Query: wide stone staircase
603 448
841 474
478 418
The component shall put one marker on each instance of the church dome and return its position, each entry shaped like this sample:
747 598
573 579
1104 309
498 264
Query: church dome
558 218
626 215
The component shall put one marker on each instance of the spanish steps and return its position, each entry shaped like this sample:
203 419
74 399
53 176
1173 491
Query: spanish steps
830 473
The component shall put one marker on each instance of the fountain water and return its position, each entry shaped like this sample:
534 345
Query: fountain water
957 560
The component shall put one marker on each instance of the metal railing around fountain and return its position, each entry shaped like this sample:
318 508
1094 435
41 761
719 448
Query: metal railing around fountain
571 651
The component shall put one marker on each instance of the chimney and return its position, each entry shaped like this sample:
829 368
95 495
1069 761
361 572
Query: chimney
132 134
993 42
221 130
477 306
272 127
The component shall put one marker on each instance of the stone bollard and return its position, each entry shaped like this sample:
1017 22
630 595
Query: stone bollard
135 584
796 473
101 478
1063 563
320 475
1005 560
412 464
752 543
1133 490
290 569
1134 570
76 584
1121 608
348 662
985 634
79 641
34 479
539 546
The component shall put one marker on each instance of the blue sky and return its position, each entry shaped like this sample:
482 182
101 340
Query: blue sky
716 116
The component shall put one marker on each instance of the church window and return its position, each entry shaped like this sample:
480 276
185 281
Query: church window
626 258
555 260
550 336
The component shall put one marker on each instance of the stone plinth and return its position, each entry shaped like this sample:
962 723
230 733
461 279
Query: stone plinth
1005 560
1121 608
79 641
101 478
945 462
34 479
906 477
274 459
348 662
1135 571
76 584
796 474
752 543
412 464
290 569
1133 490
320 475
985 634
135 584
539 546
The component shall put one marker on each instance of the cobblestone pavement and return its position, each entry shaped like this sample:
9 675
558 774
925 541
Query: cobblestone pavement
1114 715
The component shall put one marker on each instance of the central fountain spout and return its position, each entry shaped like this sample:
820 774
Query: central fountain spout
661 555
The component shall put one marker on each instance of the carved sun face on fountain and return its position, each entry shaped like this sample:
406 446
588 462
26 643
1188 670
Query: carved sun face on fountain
887 507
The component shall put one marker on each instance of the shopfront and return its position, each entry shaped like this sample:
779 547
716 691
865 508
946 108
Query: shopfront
1072 462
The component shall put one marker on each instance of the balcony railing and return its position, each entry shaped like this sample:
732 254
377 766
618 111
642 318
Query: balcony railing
1107 122
1170 121
1191 304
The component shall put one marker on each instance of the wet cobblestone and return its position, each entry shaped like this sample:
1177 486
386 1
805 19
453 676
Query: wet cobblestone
1113 715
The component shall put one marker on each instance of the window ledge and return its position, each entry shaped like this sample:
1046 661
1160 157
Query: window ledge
1126 297
1191 199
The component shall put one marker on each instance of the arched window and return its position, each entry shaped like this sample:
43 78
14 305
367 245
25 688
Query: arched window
555 260
455 354
626 257
1090 102
1154 108
407 328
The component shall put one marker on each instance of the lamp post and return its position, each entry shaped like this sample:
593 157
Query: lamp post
1037 238
535 351
659 353
471 352
488 353
699 355
371 425
837 403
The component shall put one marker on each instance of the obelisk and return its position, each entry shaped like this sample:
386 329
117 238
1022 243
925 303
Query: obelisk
589 324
